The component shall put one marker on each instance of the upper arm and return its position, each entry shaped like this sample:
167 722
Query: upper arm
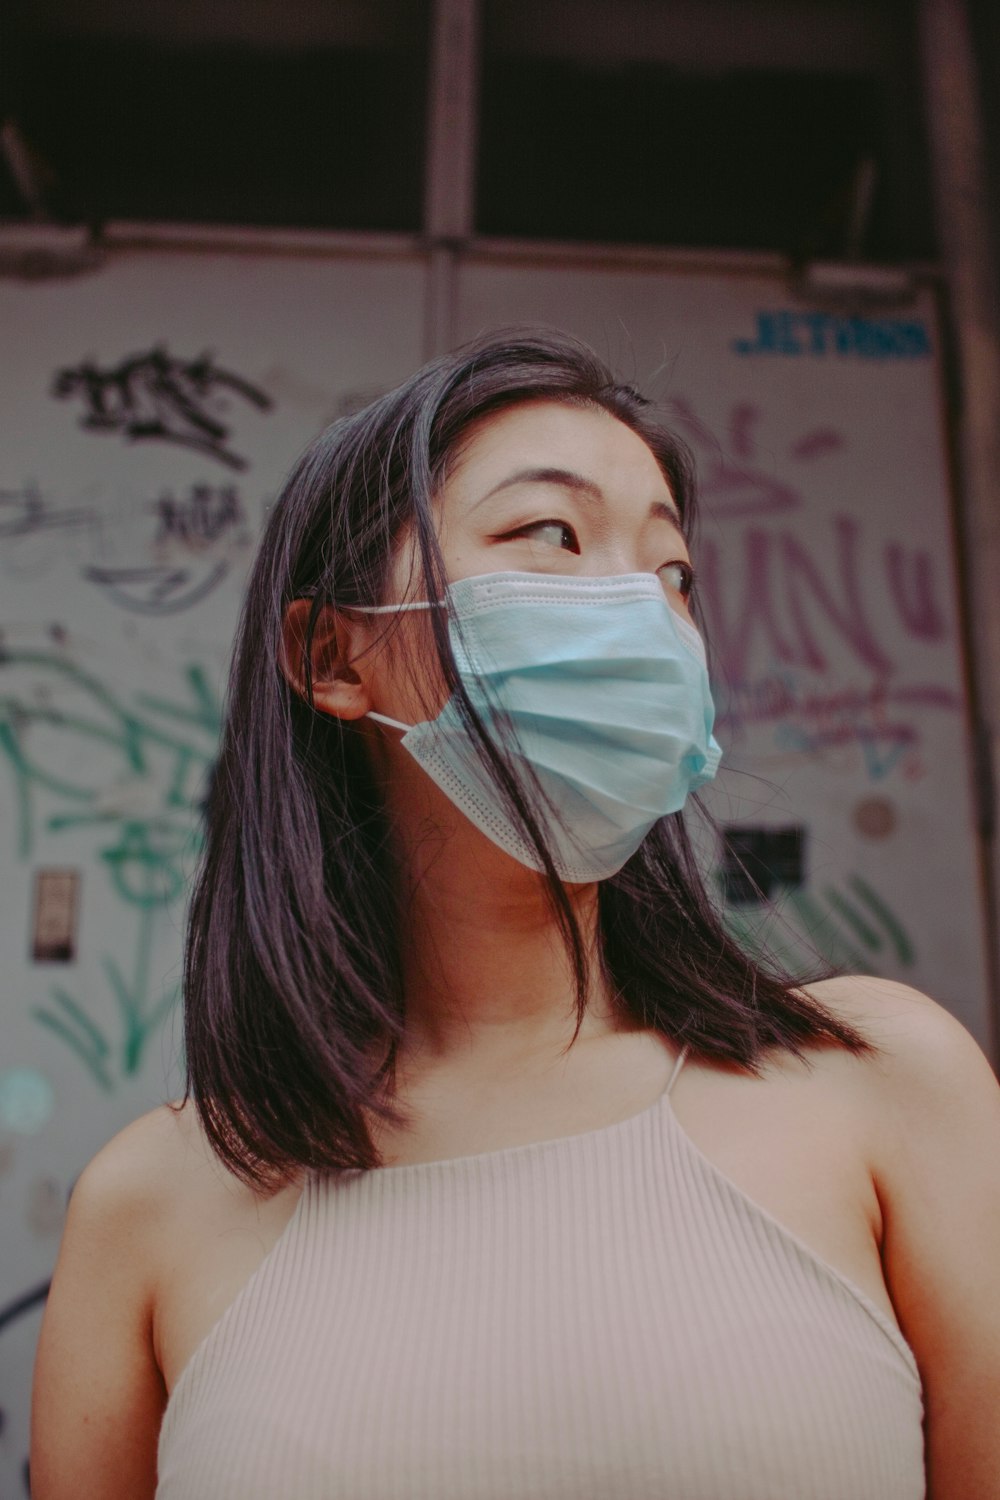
98 1397
937 1173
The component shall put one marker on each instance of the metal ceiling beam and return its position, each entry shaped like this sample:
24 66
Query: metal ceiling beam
450 172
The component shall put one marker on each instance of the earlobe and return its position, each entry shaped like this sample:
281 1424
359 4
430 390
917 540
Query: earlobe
337 687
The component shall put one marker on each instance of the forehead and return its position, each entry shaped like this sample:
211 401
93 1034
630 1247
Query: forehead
538 434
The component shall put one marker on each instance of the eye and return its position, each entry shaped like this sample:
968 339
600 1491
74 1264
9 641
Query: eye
678 576
552 533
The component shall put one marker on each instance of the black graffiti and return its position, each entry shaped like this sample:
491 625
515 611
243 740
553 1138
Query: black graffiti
157 590
20 1306
156 396
206 513
756 861
23 1304
25 511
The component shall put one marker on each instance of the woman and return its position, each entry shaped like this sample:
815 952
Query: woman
502 1171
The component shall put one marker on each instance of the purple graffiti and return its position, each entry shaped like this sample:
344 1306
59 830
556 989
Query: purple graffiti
730 483
911 586
731 486
816 444
791 610
779 566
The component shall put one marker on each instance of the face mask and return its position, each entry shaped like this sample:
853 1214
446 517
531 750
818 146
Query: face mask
606 690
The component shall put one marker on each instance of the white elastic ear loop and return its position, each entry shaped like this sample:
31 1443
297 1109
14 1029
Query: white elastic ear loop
392 609
384 719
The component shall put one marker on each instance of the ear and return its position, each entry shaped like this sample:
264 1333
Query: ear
337 687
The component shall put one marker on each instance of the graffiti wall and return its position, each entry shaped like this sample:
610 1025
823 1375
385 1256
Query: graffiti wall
827 581
150 410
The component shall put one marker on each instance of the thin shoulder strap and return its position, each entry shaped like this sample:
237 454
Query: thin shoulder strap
677 1067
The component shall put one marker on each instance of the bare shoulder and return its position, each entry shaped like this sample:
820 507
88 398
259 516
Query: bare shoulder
138 1220
868 996
98 1393
929 1077
936 1167
165 1138
148 1170
923 1050
128 1209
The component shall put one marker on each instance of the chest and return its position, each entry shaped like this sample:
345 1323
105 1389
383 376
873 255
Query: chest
797 1153
601 1316
795 1142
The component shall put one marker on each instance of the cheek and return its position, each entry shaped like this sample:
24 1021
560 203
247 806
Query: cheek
462 553
682 607
468 552
405 579
468 548
405 679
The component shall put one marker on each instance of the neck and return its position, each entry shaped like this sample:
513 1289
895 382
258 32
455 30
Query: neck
488 980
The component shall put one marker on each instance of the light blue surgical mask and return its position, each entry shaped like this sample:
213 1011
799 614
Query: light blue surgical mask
606 691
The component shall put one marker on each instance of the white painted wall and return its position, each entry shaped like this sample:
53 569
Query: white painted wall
827 573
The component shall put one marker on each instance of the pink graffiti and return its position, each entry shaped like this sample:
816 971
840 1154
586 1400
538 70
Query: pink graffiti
816 444
742 420
776 595
778 565
778 697
911 586
810 720
731 485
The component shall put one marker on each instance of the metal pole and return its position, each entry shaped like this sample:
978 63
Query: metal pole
451 158
960 175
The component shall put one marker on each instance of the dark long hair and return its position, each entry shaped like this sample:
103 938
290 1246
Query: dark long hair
293 998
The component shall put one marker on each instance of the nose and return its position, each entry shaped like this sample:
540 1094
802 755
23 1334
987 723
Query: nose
616 556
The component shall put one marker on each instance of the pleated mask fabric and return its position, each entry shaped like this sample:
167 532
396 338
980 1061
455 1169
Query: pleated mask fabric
597 687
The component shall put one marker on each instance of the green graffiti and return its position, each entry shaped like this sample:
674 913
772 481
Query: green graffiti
72 1023
862 929
847 929
148 878
135 734
144 855
898 936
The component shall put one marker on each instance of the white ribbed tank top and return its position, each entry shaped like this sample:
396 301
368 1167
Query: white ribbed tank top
603 1316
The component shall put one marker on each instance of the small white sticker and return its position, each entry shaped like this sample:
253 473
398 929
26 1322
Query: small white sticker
26 1100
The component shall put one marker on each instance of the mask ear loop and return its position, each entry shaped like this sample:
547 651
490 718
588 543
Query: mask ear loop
384 719
392 609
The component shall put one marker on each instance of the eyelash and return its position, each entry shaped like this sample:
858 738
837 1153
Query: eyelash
687 571
563 526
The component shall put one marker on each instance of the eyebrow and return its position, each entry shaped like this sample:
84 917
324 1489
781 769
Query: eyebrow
566 479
